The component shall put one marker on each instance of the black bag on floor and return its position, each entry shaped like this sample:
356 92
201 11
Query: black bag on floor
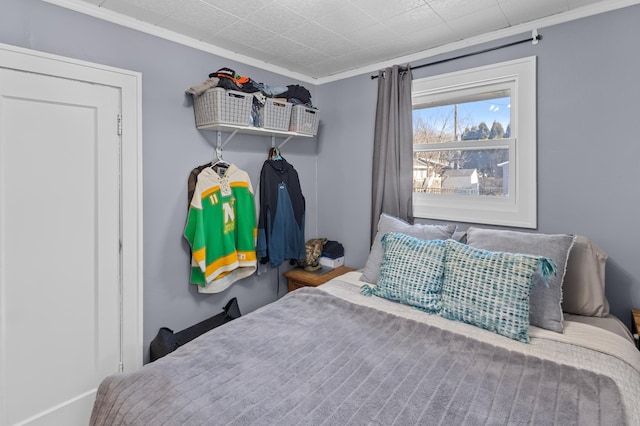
166 341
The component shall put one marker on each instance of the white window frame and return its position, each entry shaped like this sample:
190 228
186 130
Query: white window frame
519 207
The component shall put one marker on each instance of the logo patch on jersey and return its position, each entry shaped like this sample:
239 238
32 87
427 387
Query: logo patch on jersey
229 212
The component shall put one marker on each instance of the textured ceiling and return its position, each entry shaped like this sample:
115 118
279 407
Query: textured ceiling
323 38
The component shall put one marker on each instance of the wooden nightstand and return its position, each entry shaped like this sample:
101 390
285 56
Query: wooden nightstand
635 324
298 277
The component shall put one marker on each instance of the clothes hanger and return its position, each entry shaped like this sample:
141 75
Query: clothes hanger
219 163
274 154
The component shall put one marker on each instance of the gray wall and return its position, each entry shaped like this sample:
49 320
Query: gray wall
587 148
588 145
171 148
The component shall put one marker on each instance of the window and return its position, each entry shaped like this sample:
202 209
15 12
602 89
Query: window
474 145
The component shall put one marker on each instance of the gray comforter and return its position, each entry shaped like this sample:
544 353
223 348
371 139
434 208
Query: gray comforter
312 358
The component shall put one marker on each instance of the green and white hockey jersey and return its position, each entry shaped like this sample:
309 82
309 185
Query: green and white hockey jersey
221 229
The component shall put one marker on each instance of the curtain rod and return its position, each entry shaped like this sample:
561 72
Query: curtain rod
534 39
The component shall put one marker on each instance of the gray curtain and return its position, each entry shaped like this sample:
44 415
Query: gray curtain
392 189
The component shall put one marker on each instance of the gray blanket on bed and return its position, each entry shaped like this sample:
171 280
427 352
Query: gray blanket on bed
312 358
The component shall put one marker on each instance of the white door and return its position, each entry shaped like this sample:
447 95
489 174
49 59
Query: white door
60 233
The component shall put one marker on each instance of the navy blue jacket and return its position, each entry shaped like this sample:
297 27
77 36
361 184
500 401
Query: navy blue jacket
281 218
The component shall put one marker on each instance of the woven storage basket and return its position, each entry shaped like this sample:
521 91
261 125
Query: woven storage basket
276 115
220 106
304 120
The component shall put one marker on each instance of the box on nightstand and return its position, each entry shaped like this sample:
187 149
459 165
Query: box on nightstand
331 263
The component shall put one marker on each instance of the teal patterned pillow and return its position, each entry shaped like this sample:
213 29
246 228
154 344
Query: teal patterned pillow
411 271
490 289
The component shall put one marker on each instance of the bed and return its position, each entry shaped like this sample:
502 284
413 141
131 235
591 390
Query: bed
338 355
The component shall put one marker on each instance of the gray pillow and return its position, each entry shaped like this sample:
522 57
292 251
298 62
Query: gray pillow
545 310
583 286
393 224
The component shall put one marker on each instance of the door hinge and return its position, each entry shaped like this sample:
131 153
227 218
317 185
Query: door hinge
119 124
121 367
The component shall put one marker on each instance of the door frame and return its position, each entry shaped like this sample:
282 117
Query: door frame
131 214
